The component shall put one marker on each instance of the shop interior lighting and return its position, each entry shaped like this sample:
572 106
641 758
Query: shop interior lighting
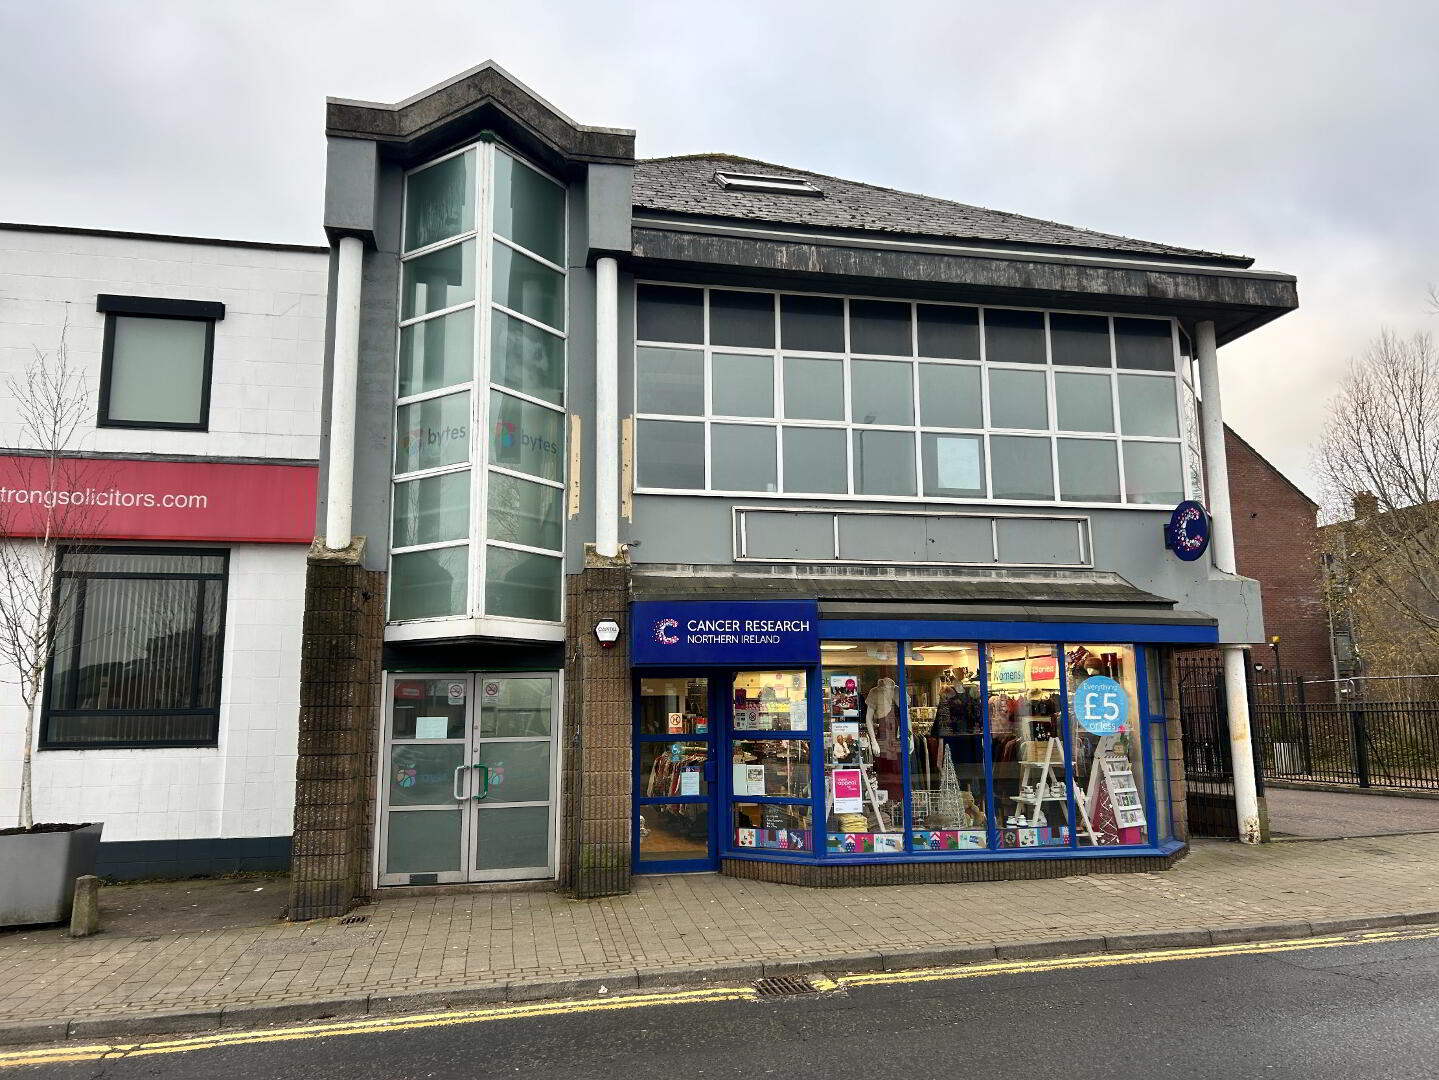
779 185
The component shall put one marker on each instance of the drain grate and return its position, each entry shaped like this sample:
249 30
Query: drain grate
785 986
351 920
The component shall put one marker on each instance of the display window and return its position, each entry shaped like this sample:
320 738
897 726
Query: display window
949 798
1026 749
1106 739
864 752
905 748
770 779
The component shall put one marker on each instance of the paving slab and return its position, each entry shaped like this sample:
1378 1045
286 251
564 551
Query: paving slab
213 954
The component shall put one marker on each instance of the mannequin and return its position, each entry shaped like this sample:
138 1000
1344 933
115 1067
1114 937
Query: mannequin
881 719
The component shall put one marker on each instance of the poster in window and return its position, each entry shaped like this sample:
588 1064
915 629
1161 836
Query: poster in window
958 461
846 742
798 715
676 723
843 695
690 782
432 727
848 791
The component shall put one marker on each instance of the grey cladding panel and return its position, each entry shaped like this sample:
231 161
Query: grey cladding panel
883 538
1037 540
960 540
774 535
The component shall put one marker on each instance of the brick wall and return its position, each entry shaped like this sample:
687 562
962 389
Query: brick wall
597 786
340 674
1276 540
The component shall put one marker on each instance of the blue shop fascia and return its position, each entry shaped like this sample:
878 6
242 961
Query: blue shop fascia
845 732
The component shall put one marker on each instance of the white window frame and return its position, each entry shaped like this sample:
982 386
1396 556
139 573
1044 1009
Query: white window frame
481 387
778 354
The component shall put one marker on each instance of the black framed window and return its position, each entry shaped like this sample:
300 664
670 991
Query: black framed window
157 362
138 650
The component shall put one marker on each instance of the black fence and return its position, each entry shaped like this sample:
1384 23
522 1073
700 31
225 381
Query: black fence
1208 764
1363 733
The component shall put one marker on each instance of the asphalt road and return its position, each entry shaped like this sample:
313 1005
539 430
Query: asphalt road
1366 1011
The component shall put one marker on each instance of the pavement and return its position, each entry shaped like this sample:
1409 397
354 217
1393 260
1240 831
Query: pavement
1328 1009
202 955
1316 815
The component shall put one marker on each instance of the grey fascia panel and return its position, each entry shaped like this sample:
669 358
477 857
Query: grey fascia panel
1044 613
352 176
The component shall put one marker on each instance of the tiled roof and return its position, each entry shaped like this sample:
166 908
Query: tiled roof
687 185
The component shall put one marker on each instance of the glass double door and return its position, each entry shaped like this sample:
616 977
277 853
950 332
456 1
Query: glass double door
469 778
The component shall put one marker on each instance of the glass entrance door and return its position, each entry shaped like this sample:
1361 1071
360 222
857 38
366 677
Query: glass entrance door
675 783
470 776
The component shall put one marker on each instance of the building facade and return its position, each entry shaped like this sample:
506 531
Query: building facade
1277 541
705 514
183 494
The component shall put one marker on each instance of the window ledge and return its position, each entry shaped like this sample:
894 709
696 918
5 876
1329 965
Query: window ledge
482 627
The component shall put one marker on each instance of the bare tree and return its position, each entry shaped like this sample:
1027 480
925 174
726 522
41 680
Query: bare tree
41 505
1378 459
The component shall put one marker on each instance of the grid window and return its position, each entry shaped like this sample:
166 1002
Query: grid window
138 646
813 388
477 525
892 400
815 461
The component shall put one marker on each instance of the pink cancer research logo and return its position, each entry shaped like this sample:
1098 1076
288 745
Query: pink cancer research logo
662 632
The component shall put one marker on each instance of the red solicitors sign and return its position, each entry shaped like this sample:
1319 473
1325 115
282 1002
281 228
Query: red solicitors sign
120 499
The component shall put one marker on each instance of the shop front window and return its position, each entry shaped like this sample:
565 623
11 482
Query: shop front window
770 772
1106 732
948 798
864 757
1026 747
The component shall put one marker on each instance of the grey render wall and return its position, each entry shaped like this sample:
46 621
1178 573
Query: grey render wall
699 529
601 210
375 391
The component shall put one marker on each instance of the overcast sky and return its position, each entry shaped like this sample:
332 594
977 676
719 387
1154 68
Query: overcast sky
1302 134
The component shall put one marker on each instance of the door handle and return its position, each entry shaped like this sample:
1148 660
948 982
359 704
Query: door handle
485 778
709 771
458 769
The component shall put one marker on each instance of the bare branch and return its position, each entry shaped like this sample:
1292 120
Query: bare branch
37 514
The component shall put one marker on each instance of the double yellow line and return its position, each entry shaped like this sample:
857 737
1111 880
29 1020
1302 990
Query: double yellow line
211 1040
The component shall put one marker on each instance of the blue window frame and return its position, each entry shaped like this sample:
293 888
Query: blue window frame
726 808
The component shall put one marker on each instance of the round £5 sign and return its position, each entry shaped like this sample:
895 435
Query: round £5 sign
1101 706
1187 534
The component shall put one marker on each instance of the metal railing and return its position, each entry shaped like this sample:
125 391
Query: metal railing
1377 732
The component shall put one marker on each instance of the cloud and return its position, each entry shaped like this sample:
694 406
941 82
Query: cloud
1298 133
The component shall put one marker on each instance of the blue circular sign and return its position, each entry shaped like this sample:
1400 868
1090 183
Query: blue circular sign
1187 534
1101 706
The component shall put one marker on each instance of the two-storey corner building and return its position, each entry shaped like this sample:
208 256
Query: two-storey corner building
702 513
183 500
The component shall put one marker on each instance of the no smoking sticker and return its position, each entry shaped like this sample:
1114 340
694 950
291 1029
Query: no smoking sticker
455 693
492 689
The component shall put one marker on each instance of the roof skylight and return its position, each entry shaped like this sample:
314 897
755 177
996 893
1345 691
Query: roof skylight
779 185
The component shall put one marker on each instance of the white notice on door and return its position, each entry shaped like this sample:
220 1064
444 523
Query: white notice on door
432 727
690 782
958 462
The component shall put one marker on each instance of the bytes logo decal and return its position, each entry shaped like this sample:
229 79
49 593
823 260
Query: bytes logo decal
662 632
508 436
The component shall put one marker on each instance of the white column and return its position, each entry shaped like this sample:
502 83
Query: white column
1236 673
340 479
607 408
